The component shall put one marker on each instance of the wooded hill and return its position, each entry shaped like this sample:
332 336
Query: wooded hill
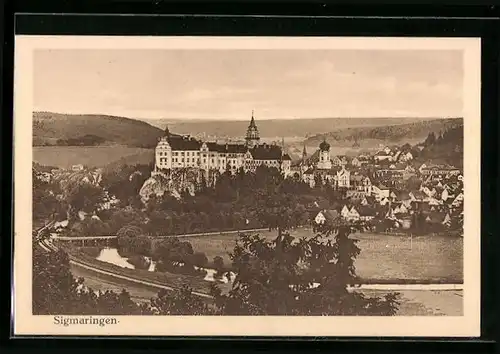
91 130
387 134
272 128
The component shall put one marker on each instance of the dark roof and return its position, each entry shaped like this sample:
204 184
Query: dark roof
227 148
403 195
418 194
236 148
399 166
366 211
324 146
331 215
357 178
266 152
335 169
286 157
178 142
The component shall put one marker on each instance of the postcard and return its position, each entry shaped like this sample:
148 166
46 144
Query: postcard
247 186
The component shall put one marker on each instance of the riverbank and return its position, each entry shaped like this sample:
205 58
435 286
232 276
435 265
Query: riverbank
412 302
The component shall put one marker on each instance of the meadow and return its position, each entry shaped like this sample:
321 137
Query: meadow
91 156
383 258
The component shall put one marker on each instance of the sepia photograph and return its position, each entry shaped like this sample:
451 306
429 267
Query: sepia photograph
213 186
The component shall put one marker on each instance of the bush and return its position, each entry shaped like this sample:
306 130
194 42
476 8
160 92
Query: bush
130 231
199 259
139 262
218 264
140 245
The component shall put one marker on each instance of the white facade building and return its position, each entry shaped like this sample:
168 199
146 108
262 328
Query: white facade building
177 151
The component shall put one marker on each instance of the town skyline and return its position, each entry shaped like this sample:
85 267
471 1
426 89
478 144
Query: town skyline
276 84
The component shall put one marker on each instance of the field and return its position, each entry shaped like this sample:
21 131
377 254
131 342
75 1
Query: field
91 156
383 258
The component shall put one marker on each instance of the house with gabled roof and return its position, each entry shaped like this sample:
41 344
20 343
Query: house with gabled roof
356 162
458 200
382 155
344 212
417 195
442 218
368 200
336 161
343 178
366 213
353 214
380 191
326 215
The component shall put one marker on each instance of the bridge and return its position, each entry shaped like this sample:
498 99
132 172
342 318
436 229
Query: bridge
80 238
84 239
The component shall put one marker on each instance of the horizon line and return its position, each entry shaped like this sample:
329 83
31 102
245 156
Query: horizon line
244 120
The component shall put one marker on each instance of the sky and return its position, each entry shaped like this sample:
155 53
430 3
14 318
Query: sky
229 84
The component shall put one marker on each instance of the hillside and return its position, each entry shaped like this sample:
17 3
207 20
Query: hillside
447 148
272 128
91 130
395 133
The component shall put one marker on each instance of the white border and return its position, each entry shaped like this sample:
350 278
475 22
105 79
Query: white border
463 326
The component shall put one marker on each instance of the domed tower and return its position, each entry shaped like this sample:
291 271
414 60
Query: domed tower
252 138
324 162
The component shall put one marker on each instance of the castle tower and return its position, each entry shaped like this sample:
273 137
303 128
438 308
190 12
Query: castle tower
163 153
252 138
324 162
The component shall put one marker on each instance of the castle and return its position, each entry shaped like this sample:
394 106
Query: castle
178 151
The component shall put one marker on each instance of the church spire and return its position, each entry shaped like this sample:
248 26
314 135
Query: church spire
167 132
304 152
252 121
252 138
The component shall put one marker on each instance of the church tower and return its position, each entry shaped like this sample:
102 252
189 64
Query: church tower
304 153
252 138
324 162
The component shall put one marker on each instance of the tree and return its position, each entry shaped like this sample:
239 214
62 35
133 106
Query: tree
129 231
199 259
305 277
138 261
218 263
318 181
430 140
172 252
83 196
57 292
179 302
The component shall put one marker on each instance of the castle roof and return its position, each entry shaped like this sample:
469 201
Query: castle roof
227 148
178 142
266 152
